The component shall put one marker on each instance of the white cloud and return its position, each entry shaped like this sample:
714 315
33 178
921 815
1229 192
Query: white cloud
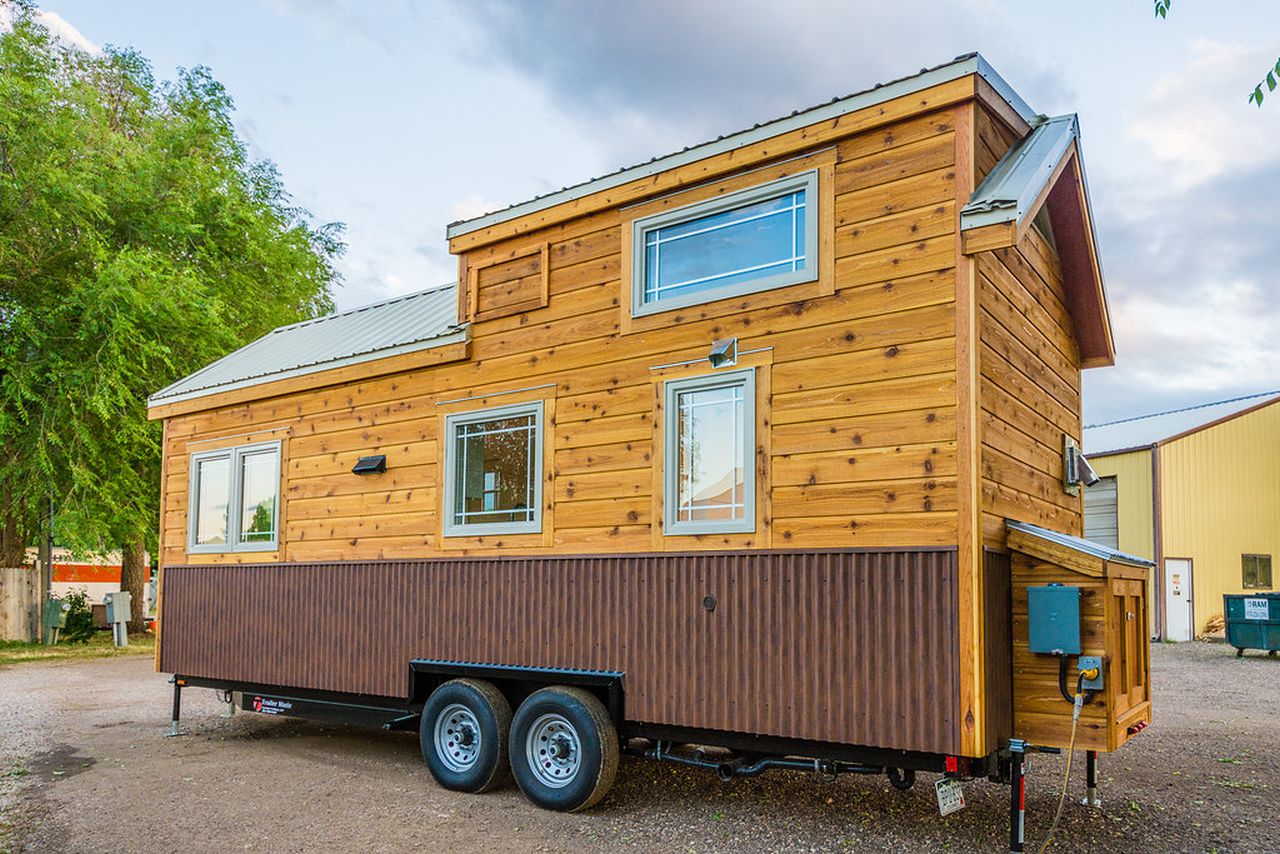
58 26
1196 120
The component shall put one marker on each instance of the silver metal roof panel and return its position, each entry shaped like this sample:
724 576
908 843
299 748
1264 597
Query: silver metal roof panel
1007 193
1143 431
961 66
1077 543
399 325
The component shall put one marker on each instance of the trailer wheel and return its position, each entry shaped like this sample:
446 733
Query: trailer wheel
564 749
464 731
900 779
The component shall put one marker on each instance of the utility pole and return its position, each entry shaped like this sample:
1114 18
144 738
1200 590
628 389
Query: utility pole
45 559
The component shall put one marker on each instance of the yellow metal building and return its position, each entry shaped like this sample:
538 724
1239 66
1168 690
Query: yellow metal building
1198 492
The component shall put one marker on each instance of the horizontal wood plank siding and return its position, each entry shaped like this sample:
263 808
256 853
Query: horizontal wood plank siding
847 647
862 371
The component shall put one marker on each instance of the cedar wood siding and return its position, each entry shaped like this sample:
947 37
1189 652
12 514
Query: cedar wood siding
857 395
1029 368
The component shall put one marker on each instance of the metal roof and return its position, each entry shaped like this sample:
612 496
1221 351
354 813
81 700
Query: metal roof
1145 430
1006 195
399 325
961 66
1077 543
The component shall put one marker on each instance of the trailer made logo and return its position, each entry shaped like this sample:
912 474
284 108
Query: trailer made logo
268 706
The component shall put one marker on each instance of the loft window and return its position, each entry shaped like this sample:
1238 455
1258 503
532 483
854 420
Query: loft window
752 240
234 499
493 465
709 441
1256 572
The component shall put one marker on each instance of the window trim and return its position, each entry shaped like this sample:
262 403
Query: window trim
1257 585
234 455
807 181
672 525
451 421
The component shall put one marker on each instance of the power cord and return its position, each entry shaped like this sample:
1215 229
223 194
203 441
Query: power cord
1077 705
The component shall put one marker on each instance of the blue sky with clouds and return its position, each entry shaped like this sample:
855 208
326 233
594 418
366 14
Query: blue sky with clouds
398 117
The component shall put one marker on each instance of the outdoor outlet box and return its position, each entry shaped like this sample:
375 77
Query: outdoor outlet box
119 606
1053 619
1089 662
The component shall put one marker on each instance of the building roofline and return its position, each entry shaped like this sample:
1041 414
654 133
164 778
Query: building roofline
962 66
1271 398
1222 420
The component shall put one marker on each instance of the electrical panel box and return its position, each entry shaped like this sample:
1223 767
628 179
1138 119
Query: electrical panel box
119 605
1053 619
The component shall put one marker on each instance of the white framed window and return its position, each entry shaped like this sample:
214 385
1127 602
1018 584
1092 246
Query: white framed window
709 483
752 240
234 499
493 471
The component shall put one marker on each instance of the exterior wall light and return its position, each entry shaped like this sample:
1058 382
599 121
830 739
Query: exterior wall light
370 465
724 353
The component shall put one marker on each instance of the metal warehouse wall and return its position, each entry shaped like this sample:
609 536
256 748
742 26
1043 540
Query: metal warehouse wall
1220 498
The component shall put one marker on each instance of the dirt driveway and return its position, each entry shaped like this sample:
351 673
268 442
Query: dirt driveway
83 767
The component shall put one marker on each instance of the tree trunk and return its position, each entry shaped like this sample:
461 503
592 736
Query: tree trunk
13 551
133 577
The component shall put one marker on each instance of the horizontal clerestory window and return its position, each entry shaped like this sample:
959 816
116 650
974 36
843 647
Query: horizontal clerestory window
751 240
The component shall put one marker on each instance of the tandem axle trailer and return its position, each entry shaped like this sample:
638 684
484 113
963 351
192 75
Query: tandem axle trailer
565 759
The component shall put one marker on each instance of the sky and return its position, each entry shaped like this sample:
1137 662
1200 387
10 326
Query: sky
399 117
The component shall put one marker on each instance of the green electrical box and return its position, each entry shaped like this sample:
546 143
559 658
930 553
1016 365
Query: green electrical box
1053 619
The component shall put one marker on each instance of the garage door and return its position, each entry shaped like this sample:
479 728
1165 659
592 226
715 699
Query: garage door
1100 517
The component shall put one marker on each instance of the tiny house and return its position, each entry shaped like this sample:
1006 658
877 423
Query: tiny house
720 449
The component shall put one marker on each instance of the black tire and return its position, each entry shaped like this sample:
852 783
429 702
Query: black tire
900 779
479 768
575 722
1239 652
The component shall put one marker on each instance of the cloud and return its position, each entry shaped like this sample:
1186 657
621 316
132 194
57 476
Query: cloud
1194 121
58 26
667 73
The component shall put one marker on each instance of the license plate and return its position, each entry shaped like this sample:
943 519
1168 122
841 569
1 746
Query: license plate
950 795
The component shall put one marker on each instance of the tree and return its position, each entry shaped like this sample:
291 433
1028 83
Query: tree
1271 80
138 243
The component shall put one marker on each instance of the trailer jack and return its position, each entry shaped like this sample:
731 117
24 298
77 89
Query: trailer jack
174 730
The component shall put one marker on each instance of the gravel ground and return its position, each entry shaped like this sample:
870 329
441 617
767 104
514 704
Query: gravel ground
83 768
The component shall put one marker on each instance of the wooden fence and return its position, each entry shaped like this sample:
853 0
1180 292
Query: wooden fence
19 612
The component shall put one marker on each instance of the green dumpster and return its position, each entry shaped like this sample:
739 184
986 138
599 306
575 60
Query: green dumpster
1253 621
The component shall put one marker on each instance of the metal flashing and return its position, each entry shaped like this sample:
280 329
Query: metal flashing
1078 544
1007 194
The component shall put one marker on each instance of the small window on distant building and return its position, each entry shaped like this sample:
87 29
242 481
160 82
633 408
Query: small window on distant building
234 499
1257 572
709 469
752 240
493 465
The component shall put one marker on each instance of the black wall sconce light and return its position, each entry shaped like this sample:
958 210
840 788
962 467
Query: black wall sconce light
370 465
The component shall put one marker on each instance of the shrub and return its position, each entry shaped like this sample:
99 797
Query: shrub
79 628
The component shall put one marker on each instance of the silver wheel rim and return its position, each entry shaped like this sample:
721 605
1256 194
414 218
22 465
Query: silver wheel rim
554 751
457 738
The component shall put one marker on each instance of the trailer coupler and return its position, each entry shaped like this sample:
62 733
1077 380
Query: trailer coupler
734 766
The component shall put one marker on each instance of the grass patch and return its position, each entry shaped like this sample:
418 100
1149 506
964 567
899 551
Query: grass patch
99 646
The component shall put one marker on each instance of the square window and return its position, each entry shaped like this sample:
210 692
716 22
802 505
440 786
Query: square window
1256 572
709 439
493 465
739 243
235 496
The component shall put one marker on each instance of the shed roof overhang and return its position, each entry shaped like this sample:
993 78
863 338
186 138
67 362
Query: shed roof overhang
1075 553
1045 170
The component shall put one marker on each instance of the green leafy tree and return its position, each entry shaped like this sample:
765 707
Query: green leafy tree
1271 80
138 243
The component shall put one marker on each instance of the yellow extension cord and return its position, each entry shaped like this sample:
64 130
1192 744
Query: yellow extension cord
1066 777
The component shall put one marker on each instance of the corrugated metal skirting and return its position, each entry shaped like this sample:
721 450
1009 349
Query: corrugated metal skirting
847 647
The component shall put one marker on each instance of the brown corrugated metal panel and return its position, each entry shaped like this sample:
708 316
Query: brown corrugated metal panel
998 638
848 647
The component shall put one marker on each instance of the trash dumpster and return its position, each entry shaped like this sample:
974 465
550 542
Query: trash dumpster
1253 621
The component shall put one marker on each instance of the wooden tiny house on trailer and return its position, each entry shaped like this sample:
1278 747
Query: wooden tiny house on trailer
726 441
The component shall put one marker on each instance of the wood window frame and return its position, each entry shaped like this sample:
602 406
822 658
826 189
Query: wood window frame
822 283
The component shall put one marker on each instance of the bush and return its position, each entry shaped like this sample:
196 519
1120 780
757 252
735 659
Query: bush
79 628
